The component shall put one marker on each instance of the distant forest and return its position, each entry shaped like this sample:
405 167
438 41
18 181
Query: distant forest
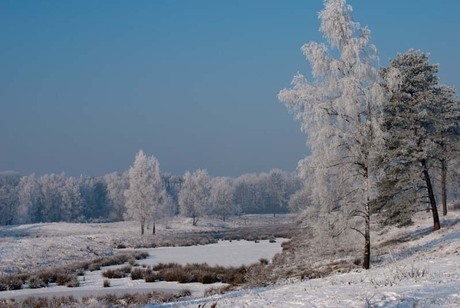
57 197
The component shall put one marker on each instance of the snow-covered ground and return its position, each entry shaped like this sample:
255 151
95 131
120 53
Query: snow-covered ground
25 247
422 272
30 247
411 267
224 253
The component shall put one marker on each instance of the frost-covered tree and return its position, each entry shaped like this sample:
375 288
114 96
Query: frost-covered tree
420 125
339 112
173 184
277 189
9 181
71 200
29 207
194 195
221 199
51 199
146 194
447 135
116 185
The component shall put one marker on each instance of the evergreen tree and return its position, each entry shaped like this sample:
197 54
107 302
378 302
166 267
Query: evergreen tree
420 123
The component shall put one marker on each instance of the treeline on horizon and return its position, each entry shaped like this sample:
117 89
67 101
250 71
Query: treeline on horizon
61 198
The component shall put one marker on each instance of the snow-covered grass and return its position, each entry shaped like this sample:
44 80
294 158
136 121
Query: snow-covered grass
28 248
412 267
25 247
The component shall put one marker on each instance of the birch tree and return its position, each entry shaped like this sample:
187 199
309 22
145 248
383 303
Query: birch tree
29 200
146 194
194 195
222 198
116 186
338 111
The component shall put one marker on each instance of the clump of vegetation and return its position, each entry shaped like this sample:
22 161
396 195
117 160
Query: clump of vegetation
106 283
263 261
137 274
218 291
73 283
13 282
150 276
35 282
67 275
202 273
110 300
114 273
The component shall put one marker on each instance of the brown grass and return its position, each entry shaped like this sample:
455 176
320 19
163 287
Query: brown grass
127 300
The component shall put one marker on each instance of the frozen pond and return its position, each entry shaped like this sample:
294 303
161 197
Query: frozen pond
223 253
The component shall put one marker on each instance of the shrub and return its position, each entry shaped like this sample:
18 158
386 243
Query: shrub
132 261
126 269
183 293
73 283
63 278
114 273
94 267
13 283
106 283
150 276
263 261
176 274
141 255
256 276
47 276
217 291
137 273
35 282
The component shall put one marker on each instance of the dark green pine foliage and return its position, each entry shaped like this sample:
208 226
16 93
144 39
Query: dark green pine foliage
410 124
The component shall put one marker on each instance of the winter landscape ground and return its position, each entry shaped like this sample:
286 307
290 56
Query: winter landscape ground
411 266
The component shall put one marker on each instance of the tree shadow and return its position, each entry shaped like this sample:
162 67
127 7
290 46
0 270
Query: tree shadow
442 238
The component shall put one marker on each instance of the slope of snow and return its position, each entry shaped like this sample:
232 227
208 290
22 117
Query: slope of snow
422 272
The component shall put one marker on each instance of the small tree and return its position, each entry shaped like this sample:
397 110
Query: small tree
194 195
146 193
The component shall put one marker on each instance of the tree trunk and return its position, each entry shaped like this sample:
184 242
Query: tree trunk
434 208
367 228
444 186
153 228
195 220
142 228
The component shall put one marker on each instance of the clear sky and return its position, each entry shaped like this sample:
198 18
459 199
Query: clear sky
85 84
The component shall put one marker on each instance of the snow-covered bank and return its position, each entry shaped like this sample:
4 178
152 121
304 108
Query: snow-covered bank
421 272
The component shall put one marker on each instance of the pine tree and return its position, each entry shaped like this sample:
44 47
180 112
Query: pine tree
420 125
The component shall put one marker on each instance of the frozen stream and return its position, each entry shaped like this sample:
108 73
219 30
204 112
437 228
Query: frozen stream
223 253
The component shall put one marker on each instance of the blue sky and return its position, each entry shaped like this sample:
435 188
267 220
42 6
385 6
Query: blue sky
85 84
